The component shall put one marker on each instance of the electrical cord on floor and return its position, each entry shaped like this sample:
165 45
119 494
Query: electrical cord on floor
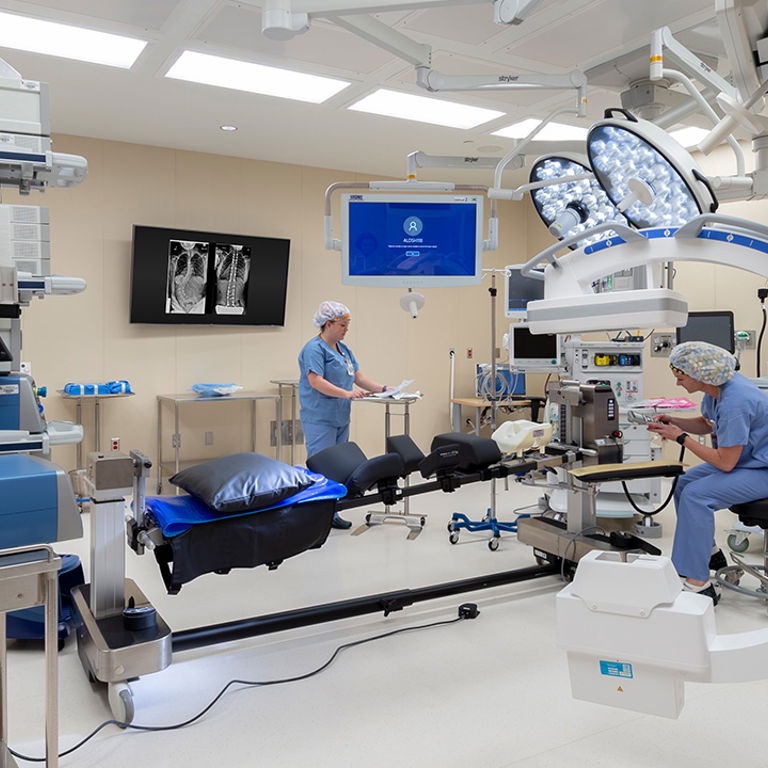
466 611
652 512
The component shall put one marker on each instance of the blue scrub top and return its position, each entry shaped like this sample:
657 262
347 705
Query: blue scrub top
740 415
339 369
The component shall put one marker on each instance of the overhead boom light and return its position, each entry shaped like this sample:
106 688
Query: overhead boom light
569 207
643 169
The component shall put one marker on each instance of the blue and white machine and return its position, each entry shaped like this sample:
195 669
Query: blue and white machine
38 501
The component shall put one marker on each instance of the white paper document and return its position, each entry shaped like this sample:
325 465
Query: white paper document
396 393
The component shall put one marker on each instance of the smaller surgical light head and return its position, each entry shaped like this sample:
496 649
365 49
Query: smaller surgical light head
646 173
412 302
570 206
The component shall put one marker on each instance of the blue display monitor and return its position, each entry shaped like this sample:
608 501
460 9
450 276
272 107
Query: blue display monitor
411 240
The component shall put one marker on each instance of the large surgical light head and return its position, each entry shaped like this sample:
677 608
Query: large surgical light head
646 173
571 206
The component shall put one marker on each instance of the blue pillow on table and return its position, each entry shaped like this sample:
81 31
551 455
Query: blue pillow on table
242 482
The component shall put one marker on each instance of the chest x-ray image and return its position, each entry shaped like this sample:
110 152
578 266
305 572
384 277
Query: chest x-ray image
187 277
232 267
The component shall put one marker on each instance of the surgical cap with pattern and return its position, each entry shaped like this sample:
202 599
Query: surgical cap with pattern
328 311
703 362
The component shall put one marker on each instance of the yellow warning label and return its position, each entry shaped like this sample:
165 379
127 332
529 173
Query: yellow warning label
619 690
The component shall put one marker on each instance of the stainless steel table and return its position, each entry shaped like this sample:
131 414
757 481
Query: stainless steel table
29 577
190 398
96 399
293 386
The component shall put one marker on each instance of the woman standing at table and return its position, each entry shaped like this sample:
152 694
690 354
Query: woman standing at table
329 378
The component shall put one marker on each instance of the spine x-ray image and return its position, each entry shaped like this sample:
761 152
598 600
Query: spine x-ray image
232 267
187 277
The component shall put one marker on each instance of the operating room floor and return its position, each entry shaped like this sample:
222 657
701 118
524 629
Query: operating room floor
486 693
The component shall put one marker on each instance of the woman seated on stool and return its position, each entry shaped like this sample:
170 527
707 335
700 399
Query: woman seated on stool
734 412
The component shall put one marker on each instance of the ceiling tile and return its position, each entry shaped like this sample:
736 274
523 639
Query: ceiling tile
468 24
151 14
325 44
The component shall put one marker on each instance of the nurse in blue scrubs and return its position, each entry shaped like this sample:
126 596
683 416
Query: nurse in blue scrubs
329 379
734 413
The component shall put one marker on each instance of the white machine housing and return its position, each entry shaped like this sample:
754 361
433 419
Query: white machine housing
633 636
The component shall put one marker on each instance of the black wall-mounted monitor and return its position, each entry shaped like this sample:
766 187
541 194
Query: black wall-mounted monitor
714 327
187 277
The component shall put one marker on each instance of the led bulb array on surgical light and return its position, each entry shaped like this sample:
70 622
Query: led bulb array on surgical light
571 206
618 155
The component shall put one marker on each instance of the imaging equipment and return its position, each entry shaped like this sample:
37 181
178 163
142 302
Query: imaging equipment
713 327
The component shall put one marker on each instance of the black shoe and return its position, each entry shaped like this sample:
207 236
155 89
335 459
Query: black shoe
339 522
717 561
711 592
708 591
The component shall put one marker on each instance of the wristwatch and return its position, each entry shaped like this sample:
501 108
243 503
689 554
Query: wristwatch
681 438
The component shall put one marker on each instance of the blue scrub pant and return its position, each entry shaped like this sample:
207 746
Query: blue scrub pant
320 436
700 492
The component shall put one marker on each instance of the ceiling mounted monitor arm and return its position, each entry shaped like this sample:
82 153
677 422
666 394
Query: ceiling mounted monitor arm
410 185
378 33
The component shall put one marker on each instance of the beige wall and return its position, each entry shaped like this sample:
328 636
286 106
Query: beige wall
88 337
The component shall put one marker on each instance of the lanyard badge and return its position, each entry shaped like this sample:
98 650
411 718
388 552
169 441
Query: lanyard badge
350 367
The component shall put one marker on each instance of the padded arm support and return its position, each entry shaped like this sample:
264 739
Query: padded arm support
606 473
474 452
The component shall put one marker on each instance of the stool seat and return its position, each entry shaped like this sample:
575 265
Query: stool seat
752 512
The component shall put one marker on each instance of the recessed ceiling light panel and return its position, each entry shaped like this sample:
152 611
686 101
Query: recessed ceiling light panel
550 132
24 33
424 109
254 78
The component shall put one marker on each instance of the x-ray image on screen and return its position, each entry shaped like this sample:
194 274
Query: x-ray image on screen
187 277
232 267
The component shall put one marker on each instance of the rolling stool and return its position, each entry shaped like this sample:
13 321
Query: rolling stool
753 514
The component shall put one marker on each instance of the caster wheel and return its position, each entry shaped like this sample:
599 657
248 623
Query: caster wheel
121 702
738 543
451 528
422 521
368 519
493 544
733 577
454 537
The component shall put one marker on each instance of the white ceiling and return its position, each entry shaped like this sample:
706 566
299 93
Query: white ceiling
608 39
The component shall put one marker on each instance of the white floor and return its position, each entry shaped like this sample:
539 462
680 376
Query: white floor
487 693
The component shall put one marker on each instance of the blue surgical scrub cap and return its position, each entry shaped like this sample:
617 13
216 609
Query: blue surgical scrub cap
328 311
703 362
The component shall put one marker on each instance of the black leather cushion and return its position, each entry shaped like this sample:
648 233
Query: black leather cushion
337 462
753 512
474 452
346 463
387 467
408 451
242 482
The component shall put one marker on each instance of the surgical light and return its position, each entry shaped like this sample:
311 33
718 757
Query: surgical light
643 169
569 207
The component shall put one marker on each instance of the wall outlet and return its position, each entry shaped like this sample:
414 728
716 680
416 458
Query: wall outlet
469 353
25 368
209 438
751 340
662 343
